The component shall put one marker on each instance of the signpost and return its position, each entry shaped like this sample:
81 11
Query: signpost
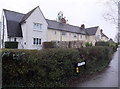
80 64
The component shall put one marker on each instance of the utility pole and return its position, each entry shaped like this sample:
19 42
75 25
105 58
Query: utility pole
119 22
3 34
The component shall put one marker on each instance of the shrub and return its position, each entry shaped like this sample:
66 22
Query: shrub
101 43
48 45
38 68
87 44
96 57
113 45
49 67
11 44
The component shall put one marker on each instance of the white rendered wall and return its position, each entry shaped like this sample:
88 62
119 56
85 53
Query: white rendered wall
28 30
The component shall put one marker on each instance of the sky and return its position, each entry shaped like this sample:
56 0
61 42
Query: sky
77 12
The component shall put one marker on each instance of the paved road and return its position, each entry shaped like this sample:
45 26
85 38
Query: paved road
108 78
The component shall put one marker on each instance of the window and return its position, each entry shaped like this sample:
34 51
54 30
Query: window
63 33
85 36
98 37
36 41
75 35
69 33
37 26
55 32
81 36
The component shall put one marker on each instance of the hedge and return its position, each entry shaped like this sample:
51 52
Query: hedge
11 44
48 45
87 44
50 67
113 45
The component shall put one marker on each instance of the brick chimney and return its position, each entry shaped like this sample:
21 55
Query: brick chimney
101 30
83 26
63 20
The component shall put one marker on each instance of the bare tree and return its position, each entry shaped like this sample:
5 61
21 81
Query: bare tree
112 11
113 15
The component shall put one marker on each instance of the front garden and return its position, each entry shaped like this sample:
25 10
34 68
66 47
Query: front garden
52 67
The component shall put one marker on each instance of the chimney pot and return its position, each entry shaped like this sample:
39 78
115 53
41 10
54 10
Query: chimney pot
63 20
101 30
82 26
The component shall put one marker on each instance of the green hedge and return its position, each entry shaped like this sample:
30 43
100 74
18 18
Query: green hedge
101 43
48 45
113 45
87 44
50 67
11 44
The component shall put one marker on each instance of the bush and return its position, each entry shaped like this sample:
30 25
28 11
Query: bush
101 43
49 67
87 44
113 45
11 44
46 68
48 45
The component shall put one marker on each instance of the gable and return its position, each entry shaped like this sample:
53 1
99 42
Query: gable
36 12
92 30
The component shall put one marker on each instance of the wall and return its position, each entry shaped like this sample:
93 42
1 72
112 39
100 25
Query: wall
68 37
104 38
5 29
52 37
28 30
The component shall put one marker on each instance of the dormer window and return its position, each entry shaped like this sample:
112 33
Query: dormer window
37 26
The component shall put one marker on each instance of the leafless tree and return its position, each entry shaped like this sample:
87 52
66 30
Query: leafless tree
113 15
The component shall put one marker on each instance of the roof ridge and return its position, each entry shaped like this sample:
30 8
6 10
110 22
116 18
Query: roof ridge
13 11
66 24
93 27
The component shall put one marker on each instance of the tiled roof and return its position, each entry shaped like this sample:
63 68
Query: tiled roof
103 35
13 23
14 20
92 30
64 27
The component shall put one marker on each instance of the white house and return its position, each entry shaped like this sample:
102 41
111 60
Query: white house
32 29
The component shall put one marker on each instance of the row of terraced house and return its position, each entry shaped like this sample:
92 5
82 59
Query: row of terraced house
32 29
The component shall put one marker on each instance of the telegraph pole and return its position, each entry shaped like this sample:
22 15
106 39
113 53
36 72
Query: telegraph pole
3 34
119 22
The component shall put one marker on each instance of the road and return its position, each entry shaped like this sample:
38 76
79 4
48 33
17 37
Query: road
108 78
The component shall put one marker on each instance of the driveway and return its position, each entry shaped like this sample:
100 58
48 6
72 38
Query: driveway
108 78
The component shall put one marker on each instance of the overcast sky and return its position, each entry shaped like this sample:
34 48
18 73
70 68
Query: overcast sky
88 12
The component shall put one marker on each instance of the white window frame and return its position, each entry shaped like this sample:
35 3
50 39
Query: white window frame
36 41
38 27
